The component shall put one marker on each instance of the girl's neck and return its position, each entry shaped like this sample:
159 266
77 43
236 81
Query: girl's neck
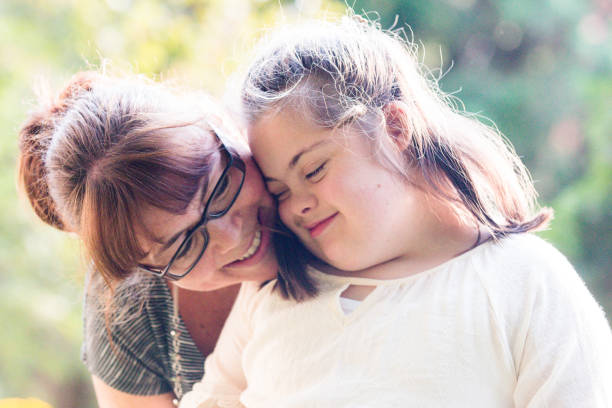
450 243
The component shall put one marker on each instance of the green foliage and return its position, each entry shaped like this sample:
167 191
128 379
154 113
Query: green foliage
540 70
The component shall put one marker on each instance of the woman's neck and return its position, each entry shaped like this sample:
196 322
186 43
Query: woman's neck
204 314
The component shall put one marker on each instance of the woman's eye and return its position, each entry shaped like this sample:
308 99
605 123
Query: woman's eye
222 197
223 186
316 172
185 249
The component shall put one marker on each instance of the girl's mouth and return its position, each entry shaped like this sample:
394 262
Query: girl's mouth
318 228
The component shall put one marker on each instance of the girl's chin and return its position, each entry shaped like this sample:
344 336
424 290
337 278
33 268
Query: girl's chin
341 262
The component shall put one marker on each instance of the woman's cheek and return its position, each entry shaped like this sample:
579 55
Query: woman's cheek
253 182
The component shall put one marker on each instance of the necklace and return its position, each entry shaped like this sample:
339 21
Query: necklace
176 356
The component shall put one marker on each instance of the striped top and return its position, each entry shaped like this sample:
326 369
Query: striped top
139 359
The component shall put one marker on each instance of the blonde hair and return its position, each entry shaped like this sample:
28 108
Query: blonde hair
350 72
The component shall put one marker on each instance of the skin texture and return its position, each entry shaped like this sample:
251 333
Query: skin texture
346 207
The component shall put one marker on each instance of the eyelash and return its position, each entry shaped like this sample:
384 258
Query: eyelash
316 171
277 196
185 250
309 176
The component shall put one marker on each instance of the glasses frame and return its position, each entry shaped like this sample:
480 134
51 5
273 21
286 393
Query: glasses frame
233 160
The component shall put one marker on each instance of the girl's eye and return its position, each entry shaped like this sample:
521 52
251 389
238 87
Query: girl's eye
280 196
316 174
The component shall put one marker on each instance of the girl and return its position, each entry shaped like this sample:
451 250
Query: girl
431 290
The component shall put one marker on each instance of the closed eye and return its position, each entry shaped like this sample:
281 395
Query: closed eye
316 171
184 250
280 196
224 186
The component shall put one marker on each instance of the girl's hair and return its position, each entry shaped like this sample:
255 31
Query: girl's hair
106 148
352 73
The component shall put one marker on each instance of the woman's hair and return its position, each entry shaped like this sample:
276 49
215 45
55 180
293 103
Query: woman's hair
352 73
105 149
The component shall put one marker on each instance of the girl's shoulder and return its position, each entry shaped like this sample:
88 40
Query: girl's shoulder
254 295
257 300
524 254
523 272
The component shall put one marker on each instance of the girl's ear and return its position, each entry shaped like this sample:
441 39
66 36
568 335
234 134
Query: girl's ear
396 123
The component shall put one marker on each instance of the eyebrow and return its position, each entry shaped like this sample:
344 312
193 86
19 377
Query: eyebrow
165 244
168 243
295 159
172 239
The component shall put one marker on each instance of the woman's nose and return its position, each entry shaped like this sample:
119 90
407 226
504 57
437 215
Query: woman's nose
227 232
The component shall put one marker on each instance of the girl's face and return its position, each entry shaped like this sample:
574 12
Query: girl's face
332 193
239 247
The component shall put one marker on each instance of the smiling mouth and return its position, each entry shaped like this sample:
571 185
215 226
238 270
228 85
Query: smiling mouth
318 228
253 248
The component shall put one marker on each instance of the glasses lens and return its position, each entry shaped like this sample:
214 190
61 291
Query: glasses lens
226 192
223 196
189 253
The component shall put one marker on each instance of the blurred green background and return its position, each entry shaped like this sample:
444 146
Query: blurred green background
541 70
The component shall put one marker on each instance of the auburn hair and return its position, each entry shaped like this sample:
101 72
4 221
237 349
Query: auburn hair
105 148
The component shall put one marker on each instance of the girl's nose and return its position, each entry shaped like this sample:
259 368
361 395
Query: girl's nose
303 203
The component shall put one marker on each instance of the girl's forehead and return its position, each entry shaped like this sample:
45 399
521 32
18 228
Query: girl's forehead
291 130
282 124
280 133
282 143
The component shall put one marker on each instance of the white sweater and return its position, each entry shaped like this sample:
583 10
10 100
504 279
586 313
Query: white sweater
507 324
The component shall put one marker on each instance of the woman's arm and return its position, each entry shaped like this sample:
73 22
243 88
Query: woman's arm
133 355
109 397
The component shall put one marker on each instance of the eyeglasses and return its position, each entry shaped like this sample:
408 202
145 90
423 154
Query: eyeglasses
221 199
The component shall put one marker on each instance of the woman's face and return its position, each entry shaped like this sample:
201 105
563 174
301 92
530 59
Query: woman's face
239 247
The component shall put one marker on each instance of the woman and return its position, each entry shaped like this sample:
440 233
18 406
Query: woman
172 214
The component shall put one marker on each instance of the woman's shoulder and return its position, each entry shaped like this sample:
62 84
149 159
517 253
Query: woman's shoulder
143 300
